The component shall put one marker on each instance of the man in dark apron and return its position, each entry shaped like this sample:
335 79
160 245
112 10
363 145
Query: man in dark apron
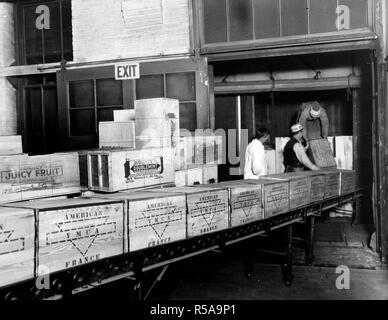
295 157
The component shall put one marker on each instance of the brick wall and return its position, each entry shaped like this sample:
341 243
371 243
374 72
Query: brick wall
8 118
114 29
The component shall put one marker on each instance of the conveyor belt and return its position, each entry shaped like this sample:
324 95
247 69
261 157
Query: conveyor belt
132 265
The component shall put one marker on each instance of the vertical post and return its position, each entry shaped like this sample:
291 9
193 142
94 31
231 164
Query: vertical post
288 277
212 99
310 240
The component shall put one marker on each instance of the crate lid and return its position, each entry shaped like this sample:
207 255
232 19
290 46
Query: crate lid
64 203
136 195
264 181
15 211
190 189
286 176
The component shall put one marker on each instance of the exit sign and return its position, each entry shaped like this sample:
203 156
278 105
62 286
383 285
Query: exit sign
125 71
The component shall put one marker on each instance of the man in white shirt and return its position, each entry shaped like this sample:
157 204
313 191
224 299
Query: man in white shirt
255 163
295 157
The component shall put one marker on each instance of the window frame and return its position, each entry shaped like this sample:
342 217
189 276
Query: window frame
310 38
20 41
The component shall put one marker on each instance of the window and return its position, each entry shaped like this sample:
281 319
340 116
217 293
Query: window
226 21
52 41
179 86
92 101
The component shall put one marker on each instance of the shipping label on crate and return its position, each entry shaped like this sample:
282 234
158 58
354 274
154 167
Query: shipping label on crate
276 199
70 237
246 205
153 222
140 168
299 193
207 212
16 245
317 188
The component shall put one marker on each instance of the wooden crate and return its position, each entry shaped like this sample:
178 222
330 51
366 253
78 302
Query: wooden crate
207 208
332 183
157 133
270 158
123 115
39 176
194 176
116 134
16 245
157 108
245 202
317 185
210 173
10 145
348 181
154 218
115 170
299 186
75 232
180 178
275 195
321 154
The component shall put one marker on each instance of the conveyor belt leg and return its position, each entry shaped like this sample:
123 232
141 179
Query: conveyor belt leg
288 277
309 258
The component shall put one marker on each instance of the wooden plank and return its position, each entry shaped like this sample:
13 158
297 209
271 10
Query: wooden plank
10 145
280 143
245 202
128 169
153 218
75 232
344 152
299 187
321 154
116 134
39 176
124 115
270 158
275 195
208 208
16 245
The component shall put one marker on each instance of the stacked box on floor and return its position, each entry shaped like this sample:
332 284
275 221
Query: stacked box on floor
153 218
24 178
245 201
210 173
207 208
74 232
115 170
113 134
300 188
157 123
275 195
16 245
10 145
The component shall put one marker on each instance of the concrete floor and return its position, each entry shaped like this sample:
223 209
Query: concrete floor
221 276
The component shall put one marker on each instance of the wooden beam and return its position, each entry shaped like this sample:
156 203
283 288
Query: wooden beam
286 85
289 50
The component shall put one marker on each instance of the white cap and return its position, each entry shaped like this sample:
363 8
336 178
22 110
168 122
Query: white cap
296 128
315 110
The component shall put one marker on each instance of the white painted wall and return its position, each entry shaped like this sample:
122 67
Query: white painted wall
8 118
114 29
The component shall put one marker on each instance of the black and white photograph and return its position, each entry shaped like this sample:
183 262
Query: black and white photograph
190 156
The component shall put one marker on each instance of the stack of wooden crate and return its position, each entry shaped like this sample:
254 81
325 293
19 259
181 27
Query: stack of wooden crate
200 156
24 177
